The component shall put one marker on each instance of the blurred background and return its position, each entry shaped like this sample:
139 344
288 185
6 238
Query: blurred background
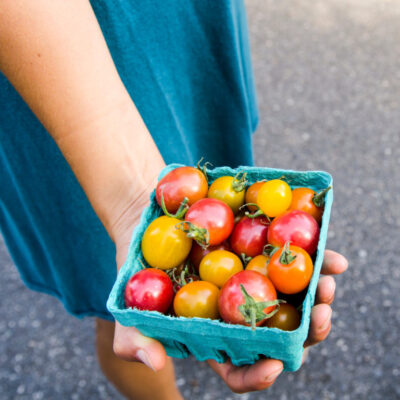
328 82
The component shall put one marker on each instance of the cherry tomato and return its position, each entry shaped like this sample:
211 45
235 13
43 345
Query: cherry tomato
188 279
198 253
163 245
230 190
214 216
182 275
302 199
290 269
237 308
197 299
180 183
274 197
287 318
251 195
218 266
296 227
149 289
249 236
258 264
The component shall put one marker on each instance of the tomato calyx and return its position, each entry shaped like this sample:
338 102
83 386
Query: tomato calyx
239 182
245 259
256 214
203 168
182 275
319 198
253 311
181 210
287 256
200 235
269 250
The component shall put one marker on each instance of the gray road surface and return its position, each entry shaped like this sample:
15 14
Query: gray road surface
328 80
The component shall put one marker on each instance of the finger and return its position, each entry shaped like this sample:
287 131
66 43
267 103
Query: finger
248 378
320 324
334 263
131 345
325 290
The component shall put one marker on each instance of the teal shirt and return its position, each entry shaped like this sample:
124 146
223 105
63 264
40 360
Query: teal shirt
186 65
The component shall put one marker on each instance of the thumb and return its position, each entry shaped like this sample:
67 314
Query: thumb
131 345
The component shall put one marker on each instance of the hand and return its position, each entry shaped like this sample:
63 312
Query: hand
263 373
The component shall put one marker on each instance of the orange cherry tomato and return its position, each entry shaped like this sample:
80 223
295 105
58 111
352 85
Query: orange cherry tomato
197 299
163 245
287 318
251 195
274 197
303 199
259 264
290 269
218 266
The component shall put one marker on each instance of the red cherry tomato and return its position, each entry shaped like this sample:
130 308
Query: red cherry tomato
251 195
296 227
232 305
198 253
214 216
180 183
149 289
249 236
290 269
287 318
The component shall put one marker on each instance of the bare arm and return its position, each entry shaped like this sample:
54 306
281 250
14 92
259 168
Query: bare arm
55 55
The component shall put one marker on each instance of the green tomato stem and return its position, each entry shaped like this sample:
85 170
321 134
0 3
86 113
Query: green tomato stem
256 214
253 312
319 198
287 256
181 210
239 182
203 168
269 250
200 235
245 259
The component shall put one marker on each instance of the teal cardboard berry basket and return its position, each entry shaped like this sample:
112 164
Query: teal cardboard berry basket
213 339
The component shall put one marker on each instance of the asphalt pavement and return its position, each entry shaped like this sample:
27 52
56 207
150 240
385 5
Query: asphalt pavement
328 81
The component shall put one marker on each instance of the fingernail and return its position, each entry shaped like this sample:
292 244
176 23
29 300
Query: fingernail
270 378
325 325
142 356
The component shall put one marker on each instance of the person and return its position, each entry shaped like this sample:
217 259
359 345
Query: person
83 86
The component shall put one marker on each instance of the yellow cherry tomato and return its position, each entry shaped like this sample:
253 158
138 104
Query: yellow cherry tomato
230 190
259 264
274 197
218 266
163 245
197 299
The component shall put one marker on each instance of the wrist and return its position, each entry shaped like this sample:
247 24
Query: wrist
116 162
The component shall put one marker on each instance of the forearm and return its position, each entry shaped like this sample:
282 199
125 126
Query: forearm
54 54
